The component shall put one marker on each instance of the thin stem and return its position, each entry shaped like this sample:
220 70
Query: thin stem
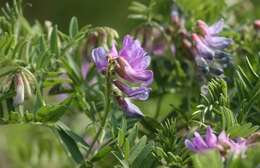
107 107
158 106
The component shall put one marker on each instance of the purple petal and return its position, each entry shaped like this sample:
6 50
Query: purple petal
198 142
217 27
201 49
224 140
129 108
190 145
126 71
210 138
211 30
141 93
113 51
100 58
218 43
238 147
159 48
134 54
84 69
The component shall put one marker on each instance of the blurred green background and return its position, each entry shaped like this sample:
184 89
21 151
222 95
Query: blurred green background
111 13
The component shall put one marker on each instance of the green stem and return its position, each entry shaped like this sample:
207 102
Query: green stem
107 107
158 106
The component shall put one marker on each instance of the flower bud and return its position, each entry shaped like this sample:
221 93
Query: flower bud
27 87
19 87
257 25
152 39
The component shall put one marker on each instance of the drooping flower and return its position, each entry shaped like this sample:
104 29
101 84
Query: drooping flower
140 93
131 65
100 57
128 107
19 88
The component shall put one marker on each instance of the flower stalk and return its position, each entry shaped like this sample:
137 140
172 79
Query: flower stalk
107 106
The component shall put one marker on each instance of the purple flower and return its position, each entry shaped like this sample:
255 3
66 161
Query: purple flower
100 58
201 49
210 30
131 63
222 143
141 93
128 107
209 48
199 144
216 42
239 146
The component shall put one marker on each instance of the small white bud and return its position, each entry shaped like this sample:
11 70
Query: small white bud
19 87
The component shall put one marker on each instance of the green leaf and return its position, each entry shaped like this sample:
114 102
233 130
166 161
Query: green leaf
126 148
78 139
242 130
137 149
70 145
54 41
145 158
74 27
210 159
120 137
101 153
52 113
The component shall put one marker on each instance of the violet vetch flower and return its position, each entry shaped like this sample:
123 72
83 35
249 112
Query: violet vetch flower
209 48
128 107
141 93
100 58
202 50
211 30
222 143
131 63
198 144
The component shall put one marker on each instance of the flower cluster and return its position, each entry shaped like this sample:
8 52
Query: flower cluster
208 48
222 143
131 63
